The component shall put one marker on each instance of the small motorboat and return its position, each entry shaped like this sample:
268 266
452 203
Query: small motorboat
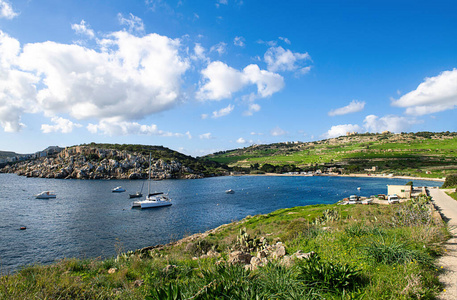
230 191
45 195
118 189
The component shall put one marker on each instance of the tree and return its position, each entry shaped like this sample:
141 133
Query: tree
451 181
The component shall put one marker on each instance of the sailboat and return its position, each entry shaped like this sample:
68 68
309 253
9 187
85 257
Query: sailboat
152 199
137 194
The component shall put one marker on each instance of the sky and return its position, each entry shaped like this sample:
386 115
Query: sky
206 76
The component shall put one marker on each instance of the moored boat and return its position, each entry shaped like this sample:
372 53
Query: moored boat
118 189
152 200
45 195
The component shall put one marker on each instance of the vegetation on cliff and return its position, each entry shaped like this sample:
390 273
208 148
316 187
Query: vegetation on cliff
103 161
313 252
424 154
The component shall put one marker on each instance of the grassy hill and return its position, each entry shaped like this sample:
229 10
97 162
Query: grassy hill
424 154
359 252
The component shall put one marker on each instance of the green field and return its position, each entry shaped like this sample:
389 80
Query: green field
432 155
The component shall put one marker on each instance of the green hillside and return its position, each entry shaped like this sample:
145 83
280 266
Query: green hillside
425 154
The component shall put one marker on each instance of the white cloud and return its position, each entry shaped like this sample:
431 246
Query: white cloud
60 125
435 94
199 53
340 130
285 40
189 136
205 136
154 4
219 48
354 106
241 141
256 133
277 131
222 81
253 107
129 78
82 29
280 59
114 127
223 112
391 123
268 43
17 88
134 23
6 10
239 41
204 116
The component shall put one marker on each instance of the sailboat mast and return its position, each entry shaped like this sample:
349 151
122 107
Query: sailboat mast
149 180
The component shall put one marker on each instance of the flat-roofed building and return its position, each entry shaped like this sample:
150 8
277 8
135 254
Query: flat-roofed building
402 191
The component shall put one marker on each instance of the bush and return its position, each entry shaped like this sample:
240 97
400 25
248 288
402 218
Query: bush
328 276
451 181
394 252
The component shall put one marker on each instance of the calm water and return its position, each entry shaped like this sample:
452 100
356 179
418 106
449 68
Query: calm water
88 220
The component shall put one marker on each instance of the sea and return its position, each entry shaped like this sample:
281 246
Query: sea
88 220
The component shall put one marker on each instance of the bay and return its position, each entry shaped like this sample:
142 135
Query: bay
87 220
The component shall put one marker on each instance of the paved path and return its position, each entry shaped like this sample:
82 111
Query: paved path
448 209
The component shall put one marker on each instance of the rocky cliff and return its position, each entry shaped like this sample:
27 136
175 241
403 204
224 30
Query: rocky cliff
84 162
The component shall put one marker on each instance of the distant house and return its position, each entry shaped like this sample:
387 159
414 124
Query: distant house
402 191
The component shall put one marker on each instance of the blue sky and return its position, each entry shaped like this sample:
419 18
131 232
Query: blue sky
205 76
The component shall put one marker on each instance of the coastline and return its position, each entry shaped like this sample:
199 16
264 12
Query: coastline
349 175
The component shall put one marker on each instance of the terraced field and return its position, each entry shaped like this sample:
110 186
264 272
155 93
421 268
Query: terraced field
418 154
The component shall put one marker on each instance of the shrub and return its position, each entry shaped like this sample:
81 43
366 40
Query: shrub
200 247
328 276
394 252
451 181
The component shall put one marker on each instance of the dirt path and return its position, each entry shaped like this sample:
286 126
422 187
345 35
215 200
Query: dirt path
448 209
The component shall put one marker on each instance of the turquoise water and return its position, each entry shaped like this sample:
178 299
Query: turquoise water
88 220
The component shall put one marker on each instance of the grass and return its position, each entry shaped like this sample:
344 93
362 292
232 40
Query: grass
405 154
453 195
361 252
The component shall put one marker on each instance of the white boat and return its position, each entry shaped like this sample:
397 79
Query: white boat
118 189
230 191
152 200
45 195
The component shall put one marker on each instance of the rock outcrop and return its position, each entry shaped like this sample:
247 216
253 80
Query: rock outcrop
84 162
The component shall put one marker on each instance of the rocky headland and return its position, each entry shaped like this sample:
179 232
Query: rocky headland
85 162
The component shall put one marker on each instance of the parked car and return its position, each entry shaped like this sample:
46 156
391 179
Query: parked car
393 199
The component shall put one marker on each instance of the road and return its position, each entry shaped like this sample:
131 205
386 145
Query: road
448 209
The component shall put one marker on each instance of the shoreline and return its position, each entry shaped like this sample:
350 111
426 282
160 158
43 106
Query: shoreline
349 175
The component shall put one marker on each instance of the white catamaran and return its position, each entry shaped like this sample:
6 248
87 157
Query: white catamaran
152 199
